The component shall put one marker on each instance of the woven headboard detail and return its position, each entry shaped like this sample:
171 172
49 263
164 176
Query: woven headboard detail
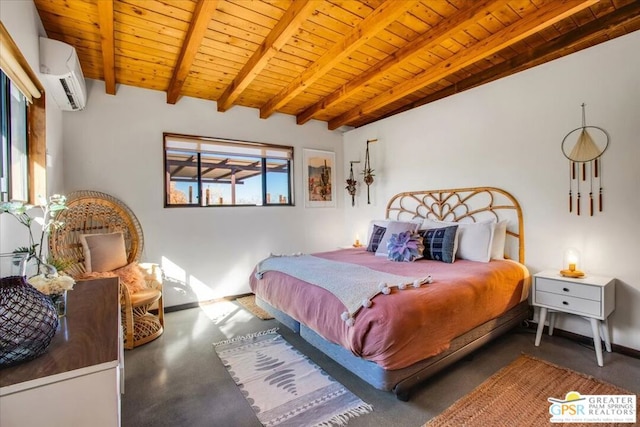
464 205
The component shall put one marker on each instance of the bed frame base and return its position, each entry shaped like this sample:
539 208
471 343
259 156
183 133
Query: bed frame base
402 381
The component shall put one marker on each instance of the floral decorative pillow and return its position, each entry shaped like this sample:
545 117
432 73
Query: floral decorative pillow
405 247
394 227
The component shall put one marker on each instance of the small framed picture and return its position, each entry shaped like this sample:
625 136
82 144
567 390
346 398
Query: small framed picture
319 177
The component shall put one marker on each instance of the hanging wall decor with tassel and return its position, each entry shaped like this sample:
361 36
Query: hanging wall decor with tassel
584 151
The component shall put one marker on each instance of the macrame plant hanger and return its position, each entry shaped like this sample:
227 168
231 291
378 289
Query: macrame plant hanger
584 154
368 171
351 183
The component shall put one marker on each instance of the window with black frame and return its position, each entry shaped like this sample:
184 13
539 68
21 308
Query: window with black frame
14 168
204 171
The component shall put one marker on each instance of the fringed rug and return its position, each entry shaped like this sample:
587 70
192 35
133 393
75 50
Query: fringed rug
518 395
284 387
249 302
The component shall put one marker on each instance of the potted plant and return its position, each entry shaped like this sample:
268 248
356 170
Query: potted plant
46 278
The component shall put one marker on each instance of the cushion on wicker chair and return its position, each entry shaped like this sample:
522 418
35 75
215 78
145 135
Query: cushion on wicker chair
103 252
146 297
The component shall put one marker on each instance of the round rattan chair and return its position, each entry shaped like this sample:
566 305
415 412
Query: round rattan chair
93 212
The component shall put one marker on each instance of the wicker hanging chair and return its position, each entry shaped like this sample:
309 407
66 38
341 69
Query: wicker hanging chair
93 212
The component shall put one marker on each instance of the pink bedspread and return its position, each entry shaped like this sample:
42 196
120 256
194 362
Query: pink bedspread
408 325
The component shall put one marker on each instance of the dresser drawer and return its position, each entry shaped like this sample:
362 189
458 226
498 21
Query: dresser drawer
568 304
562 287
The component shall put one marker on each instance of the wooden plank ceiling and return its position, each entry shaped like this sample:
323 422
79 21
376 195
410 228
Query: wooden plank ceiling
345 62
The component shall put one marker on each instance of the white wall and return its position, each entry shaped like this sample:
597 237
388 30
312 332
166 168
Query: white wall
23 23
508 134
115 146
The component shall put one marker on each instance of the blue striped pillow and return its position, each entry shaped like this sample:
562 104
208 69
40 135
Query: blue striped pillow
440 243
376 238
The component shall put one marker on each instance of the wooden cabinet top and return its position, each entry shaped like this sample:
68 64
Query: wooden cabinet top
87 339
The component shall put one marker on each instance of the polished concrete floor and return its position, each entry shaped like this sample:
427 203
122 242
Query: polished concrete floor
178 380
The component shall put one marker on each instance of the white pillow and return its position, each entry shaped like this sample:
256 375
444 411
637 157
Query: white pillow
499 239
394 227
474 238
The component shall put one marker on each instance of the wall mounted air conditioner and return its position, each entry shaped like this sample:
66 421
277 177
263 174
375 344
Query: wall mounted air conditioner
62 74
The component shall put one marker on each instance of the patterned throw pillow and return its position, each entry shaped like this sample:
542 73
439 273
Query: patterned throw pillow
440 243
405 247
376 238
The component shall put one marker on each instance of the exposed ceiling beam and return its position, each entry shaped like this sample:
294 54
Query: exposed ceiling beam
532 57
195 33
425 41
214 166
181 164
375 22
255 166
290 22
105 21
545 16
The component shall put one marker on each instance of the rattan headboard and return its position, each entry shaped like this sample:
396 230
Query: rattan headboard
92 212
464 205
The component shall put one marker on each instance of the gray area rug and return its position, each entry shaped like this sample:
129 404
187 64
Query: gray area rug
283 386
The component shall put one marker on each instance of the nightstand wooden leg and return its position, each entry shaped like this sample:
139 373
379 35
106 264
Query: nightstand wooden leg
541 318
597 342
552 322
605 335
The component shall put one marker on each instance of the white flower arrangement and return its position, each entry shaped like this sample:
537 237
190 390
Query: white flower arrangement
52 284
50 210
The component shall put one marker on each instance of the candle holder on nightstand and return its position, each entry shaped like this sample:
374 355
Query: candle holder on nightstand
572 260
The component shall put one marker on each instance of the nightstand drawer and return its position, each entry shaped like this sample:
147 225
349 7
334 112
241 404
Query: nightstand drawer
577 290
568 304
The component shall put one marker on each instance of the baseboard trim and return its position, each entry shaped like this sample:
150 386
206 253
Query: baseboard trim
627 351
199 303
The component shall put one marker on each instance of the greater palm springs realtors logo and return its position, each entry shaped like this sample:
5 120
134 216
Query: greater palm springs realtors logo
607 408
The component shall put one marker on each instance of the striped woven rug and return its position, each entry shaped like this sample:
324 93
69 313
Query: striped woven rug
249 302
524 394
283 386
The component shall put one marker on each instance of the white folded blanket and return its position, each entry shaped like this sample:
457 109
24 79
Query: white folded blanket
354 285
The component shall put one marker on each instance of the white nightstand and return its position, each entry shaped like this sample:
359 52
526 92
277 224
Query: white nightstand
591 297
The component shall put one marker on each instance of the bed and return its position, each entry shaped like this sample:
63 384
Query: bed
395 324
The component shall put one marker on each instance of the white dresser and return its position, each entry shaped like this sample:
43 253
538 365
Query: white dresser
77 382
592 297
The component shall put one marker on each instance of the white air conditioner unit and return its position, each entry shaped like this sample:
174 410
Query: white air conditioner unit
62 74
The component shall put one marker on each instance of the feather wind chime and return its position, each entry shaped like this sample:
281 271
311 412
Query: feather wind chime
351 184
584 154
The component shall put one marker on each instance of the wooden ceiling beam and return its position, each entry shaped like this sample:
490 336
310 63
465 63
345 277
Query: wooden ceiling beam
202 15
290 22
107 39
536 56
425 41
545 16
375 22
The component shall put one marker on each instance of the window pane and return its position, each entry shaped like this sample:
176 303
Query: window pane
18 131
14 167
229 173
182 168
278 178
